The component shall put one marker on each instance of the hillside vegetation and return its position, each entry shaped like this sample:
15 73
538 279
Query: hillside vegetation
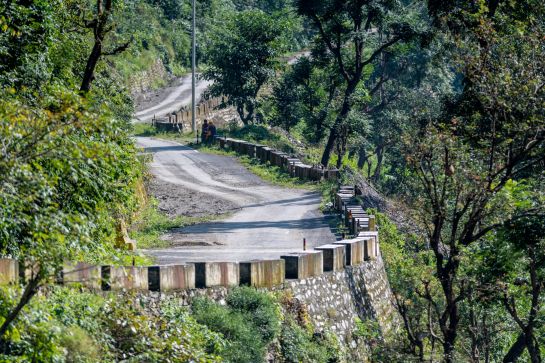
438 104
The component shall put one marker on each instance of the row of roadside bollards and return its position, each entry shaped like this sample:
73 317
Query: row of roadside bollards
258 273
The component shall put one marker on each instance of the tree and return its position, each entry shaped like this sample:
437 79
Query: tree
67 172
490 136
244 58
101 25
25 28
513 275
305 93
355 34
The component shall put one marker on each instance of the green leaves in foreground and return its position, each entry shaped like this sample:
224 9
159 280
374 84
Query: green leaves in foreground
67 171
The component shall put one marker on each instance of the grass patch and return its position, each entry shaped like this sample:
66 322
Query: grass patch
152 224
276 175
143 129
128 258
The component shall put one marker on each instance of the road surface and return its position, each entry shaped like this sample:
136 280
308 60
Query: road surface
267 221
171 99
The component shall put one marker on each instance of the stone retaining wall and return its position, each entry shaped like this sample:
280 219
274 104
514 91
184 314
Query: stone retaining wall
333 299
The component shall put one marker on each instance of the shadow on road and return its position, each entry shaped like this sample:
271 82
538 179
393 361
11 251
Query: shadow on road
229 227
157 149
308 199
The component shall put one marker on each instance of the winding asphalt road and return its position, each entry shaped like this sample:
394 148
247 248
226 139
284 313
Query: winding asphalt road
175 98
270 221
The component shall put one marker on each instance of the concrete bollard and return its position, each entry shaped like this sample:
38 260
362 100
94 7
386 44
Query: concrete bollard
124 278
301 265
9 271
360 223
171 277
334 256
341 199
262 273
354 249
209 274
266 155
372 223
276 158
298 170
372 249
250 150
242 147
259 152
229 144
82 273
284 160
305 172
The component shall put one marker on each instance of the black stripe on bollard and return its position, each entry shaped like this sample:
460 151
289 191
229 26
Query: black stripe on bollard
105 278
200 275
154 278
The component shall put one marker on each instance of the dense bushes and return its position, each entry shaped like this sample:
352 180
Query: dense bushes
298 344
73 326
66 325
249 322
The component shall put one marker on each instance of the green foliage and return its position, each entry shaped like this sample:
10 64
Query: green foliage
79 346
68 171
75 326
299 345
244 57
260 307
304 98
245 343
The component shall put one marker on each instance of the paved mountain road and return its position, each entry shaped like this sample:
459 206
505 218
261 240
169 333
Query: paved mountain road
267 221
172 98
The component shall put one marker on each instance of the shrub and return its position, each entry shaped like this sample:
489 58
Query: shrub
260 308
79 346
65 325
244 339
298 345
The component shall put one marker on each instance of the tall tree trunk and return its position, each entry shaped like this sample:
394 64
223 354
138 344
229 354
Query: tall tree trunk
329 146
30 290
91 65
378 169
333 133
243 118
516 350
533 350
362 157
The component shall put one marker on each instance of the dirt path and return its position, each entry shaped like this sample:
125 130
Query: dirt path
168 99
267 221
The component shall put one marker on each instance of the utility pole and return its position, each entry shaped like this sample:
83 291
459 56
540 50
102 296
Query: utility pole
193 47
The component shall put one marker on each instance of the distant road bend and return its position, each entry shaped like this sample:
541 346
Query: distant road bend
268 222
172 99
